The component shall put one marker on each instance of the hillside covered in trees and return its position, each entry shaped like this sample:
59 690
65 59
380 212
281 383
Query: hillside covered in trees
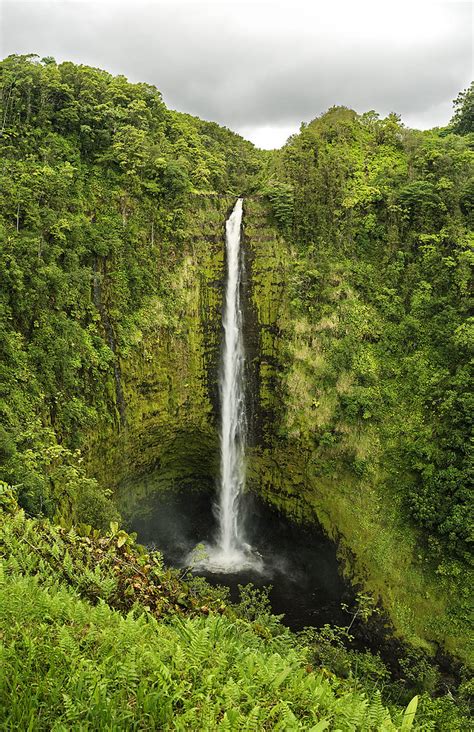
379 376
359 236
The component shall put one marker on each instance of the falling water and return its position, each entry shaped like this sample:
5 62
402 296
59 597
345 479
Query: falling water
230 541
231 551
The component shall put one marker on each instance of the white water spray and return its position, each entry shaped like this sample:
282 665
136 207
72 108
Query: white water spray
231 553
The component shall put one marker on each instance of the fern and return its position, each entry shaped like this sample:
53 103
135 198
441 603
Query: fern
376 714
287 721
199 645
68 564
253 722
82 666
321 726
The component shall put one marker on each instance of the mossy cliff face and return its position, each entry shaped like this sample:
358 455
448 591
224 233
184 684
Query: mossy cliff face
318 462
168 375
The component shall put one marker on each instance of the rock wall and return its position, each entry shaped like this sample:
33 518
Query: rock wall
316 465
169 377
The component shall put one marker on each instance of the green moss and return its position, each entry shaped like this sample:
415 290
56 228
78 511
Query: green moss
317 463
168 373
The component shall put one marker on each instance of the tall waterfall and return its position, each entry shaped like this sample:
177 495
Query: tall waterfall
231 552
232 396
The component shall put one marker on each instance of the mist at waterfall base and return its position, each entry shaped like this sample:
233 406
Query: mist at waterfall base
299 562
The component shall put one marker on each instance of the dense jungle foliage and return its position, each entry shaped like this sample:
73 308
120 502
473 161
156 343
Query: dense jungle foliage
99 183
382 217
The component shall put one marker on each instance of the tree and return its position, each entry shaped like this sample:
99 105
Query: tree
463 120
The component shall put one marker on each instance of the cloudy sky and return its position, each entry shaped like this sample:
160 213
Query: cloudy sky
261 67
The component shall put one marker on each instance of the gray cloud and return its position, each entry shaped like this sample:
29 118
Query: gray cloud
263 64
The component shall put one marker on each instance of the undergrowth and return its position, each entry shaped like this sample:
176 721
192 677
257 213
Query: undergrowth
81 649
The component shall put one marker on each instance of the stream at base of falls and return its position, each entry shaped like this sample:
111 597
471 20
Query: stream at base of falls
300 563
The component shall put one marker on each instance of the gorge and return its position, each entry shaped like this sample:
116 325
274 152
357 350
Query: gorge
251 542
353 307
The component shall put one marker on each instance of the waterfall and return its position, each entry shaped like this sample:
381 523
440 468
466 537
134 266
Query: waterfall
232 397
231 552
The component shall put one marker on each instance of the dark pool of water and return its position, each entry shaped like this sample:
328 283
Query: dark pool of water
300 562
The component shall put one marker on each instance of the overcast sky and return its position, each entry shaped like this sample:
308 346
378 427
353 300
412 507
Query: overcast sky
263 67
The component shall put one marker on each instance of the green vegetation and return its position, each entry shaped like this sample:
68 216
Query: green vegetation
359 235
99 184
126 644
463 120
374 372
